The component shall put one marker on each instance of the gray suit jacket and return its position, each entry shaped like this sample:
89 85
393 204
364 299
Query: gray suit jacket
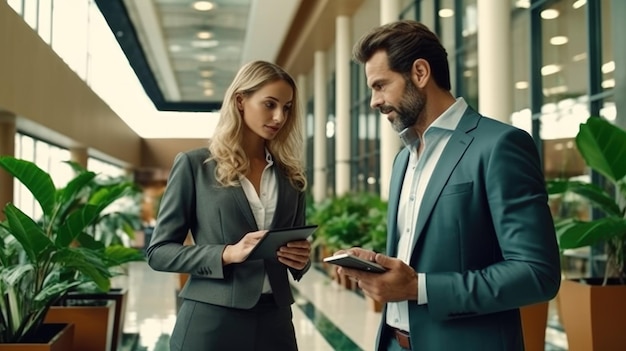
485 239
217 216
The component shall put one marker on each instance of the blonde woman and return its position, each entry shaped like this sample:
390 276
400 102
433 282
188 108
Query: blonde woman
249 179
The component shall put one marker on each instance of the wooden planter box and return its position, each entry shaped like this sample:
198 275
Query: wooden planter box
120 297
534 324
93 325
60 338
593 316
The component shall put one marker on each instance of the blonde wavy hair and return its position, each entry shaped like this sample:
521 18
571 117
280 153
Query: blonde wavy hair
225 145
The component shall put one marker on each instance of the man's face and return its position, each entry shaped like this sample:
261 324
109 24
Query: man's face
393 94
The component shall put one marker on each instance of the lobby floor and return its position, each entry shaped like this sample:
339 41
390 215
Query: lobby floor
325 315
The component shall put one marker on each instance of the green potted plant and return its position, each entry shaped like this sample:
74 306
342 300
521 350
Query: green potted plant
353 219
591 300
45 258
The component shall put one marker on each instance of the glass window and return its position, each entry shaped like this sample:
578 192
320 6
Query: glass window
16 5
608 64
69 33
564 45
30 13
44 28
520 27
468 55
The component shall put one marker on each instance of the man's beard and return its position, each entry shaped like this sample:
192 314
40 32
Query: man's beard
409 109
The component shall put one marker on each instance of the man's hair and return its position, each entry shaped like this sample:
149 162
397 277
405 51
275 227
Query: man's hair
406 41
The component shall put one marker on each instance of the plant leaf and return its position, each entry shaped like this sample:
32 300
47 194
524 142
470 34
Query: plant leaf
38 182
603 146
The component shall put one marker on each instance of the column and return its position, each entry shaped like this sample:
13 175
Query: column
8 131
79 155
389 142
319 137
302 97
495 86
342 105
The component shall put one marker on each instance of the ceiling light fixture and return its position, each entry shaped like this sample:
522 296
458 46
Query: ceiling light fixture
559 40
206 74
209 92
522 4
521 85
203 5
549 14
205 44
204 35
579 3
445 13
608 67
550 69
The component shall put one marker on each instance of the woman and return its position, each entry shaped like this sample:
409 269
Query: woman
248 180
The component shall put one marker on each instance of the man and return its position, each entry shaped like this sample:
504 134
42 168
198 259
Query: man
470 234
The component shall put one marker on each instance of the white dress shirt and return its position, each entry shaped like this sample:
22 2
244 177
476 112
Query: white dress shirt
416 178
263 205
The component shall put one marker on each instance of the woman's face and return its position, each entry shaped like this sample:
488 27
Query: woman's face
266 110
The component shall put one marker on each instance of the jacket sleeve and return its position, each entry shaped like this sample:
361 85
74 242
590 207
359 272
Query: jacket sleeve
528 269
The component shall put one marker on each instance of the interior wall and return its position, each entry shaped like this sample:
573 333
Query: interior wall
53 103
160 153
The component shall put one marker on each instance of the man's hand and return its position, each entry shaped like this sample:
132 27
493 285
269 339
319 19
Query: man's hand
295 254
399 283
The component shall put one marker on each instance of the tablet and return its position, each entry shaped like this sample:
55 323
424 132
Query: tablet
275 238
350 261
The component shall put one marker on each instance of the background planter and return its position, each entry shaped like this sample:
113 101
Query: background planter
93 324
593 316
119 296
60 338
534 324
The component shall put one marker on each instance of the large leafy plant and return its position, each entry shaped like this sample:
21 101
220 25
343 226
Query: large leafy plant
42 259
603 147
353 219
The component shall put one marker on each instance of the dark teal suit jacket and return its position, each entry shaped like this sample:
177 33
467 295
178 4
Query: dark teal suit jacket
485 239
217 216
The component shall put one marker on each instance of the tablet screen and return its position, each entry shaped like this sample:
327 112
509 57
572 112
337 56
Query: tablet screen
275 238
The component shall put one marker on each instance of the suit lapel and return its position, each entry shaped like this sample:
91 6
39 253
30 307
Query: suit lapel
244 205
452 154
395 187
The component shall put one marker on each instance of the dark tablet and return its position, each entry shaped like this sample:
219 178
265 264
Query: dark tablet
350 261
275 238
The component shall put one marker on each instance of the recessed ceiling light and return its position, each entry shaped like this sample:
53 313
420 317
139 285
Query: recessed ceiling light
579 3
608 67
445 13
206 73
522 4
206 58
550 69
558 40
549 14
203 5
204 35
608 83
175 48
209 92
522 84
205 44
579 57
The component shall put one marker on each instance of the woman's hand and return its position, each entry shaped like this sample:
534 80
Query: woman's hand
238 252
295 254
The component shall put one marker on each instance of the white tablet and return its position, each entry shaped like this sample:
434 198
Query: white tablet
350 261
275 238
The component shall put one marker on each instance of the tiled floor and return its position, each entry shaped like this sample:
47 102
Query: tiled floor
326 316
